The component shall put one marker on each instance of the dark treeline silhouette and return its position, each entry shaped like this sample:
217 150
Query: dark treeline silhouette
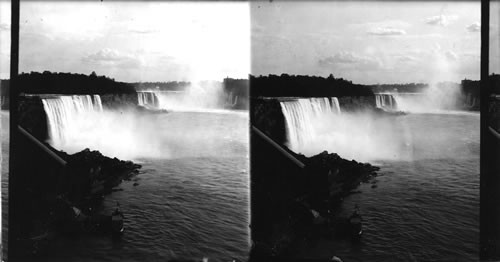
402 88
161 86
69 83
305 86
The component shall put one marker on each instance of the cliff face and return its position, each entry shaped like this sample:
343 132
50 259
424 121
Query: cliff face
470 94
4 94
356 103
32 116
266 115
116 101
239 89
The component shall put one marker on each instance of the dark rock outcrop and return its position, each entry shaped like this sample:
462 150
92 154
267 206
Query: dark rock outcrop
291 202
91 174
55 191
341 175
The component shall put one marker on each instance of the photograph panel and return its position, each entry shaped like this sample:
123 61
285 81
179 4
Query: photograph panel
490 134
366 114
133 132
4 116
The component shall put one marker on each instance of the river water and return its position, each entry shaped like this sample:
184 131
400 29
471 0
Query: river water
191 198
424 204
4 118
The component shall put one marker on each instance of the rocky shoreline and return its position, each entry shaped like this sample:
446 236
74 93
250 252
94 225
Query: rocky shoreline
65 193
291 204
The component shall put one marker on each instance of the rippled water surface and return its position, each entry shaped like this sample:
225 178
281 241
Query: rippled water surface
193 203
4 118
425 208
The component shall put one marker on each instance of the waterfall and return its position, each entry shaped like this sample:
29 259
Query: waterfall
385 101
62 111
148 99
231 100
301 114
316 124
97 103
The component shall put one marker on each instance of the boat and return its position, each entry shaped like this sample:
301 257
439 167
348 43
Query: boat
117 221
356 223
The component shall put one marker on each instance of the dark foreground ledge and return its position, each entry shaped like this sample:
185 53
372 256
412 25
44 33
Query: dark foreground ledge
56 193
293 201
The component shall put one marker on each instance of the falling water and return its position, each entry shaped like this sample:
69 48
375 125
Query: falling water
299 115
314 125
231 100
147 99
385 101
63 110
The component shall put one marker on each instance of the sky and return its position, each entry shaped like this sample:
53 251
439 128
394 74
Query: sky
136 41
494 53
4 39
368 42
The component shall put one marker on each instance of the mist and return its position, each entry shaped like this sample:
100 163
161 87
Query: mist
360 136
132 135
197 97
436 98
370 137
440 96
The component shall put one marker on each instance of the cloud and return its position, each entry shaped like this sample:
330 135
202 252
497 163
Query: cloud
474 27
142 31
441 20
383 23
112 57
407 58
345 60
386 31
